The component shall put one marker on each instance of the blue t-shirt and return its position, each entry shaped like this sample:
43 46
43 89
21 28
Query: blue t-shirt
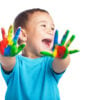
32 79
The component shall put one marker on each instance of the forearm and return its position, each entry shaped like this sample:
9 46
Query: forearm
59 65
7 62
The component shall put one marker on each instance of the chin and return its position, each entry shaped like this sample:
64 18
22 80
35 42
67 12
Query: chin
47 49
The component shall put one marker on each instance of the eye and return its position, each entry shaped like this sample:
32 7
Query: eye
52 28
43 25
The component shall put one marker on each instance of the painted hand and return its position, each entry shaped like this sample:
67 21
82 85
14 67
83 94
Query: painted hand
8 44
61 50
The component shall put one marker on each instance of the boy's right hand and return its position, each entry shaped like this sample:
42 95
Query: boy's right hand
8 45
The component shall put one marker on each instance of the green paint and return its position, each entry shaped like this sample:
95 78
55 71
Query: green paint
15 50
65 37
11 29
62 44
46 53
70 40
73 51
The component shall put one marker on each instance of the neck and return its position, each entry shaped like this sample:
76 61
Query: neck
29 54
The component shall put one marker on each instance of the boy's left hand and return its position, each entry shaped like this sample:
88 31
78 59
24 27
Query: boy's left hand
61 50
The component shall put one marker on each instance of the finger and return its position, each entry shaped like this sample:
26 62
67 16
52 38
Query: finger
46 53
73 51
65 37
10 35
3 33
15 50
1 48
15 39
10 32
70 41
20 48
55 39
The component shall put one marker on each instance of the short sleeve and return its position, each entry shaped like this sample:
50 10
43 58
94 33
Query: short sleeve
57 76
8 77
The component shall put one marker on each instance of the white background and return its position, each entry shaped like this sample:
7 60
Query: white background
81 81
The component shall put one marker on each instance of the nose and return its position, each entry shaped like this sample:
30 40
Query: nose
50 31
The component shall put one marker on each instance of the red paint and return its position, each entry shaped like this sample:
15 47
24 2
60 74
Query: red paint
60 51
3 45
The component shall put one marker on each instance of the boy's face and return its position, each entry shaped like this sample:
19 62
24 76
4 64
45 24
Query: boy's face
40 33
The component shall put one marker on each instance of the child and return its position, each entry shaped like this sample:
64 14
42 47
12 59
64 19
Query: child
31 76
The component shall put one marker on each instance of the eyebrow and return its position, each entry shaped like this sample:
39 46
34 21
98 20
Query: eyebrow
45 22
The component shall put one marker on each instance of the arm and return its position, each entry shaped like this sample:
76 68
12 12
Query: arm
7 62
59 65
9 48
61 52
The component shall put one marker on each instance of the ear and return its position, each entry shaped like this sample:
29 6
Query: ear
23 35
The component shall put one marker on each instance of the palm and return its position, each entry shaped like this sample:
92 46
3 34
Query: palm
8 45
61 50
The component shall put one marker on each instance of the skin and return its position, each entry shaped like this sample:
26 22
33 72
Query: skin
39 26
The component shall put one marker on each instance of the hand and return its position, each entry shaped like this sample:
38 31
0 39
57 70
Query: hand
61 50
8 45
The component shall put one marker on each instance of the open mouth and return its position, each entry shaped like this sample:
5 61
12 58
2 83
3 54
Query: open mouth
47 42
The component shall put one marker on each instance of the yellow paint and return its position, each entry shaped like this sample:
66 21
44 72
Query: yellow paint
10 34
55 53
10 42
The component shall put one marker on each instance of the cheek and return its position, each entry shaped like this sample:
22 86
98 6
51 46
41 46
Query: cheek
36 42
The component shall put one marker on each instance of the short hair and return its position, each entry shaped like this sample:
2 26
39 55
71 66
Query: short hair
22 18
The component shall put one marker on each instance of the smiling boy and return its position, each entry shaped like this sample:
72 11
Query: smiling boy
31 76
